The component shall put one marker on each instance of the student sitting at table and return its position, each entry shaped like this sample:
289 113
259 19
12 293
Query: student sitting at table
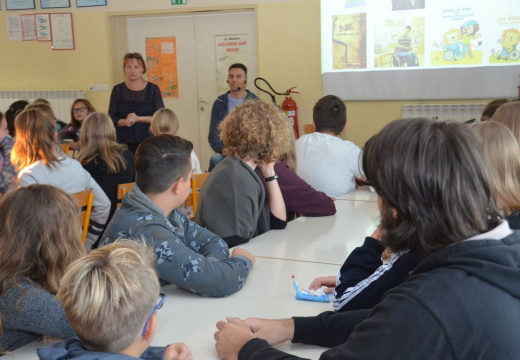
188 255
364 279
326 161
299 197
461 302
502 155
234 202
35 249
35 155
164 121
111 298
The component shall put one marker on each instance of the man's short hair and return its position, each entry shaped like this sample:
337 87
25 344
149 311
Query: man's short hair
330 115
239 66
408 27
108 294
160 161
435 176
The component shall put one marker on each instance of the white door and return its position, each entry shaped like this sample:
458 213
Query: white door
196 37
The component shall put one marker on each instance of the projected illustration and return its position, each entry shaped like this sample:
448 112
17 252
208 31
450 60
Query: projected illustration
349 41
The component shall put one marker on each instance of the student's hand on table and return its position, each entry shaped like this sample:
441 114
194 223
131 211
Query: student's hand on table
231 337
328 281
178 351
243 252
272 331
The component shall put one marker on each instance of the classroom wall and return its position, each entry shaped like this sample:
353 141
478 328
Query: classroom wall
288 34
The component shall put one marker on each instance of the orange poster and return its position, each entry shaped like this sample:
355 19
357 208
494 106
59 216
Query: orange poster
161 59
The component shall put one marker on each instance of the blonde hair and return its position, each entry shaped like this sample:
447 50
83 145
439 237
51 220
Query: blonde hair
164 121
255 131
108 294
502 155
46 109
98 137
35 140
509 115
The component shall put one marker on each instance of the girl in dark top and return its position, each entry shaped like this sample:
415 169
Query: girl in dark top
109 163
133 103
81 108
502 155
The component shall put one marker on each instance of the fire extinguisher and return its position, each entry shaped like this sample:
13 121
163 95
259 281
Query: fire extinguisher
290 109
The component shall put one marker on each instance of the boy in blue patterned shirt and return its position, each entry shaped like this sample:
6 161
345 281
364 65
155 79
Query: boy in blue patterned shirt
188 255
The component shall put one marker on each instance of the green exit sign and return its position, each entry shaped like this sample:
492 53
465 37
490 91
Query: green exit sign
179 2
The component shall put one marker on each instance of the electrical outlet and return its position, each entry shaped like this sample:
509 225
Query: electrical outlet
105 87
99 87
91 88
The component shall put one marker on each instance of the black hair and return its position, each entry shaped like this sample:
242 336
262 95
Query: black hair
11 114
330 114
239 66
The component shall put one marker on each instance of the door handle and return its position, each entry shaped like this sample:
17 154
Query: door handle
203 101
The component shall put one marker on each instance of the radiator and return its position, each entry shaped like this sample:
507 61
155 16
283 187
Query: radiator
444 112
61 100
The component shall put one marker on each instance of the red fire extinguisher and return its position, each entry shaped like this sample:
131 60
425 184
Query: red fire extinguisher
290 109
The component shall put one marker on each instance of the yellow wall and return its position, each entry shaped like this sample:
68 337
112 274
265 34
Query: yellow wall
288 54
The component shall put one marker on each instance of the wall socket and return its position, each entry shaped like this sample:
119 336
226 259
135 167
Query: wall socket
97 87
91 88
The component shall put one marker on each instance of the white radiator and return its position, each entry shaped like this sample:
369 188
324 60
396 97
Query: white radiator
61 100
443 112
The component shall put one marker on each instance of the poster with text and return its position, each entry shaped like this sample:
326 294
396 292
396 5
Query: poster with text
505 39
230 49
161 62
349 41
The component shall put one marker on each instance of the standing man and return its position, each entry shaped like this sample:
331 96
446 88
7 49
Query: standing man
237 94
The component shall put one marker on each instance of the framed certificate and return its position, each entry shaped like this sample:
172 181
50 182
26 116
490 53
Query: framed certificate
86 3
62 31
19 4
50 4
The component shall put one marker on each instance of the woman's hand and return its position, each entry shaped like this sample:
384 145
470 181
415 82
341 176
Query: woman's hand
131 119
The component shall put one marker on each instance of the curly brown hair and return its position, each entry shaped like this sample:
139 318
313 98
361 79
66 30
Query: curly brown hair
255 131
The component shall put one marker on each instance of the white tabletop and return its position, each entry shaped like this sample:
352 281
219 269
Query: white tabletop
326 239
362 193
267 293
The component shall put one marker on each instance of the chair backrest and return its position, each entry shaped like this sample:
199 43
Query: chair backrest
84 201
66 150
122 189
197 181
309 128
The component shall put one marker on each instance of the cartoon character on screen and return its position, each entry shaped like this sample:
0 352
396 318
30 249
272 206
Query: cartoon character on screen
469 31
452 44
509 41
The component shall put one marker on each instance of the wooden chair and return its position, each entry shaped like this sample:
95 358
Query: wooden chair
84 201
197 181
122 189
309 128
66 150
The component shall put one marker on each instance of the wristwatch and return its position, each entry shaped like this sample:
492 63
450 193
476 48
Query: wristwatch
271 178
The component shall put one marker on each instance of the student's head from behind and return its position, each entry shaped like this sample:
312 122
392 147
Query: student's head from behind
109 294
160 161
35 139
490 109
509 115
164 121
330 115
255 131
11 113
502 155
39 235
433 182
44 108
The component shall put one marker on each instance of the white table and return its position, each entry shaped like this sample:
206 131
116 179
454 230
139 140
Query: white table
362 193
267 293
326 239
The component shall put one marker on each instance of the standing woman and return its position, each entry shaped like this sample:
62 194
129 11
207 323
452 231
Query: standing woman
109 162
133 103
81 108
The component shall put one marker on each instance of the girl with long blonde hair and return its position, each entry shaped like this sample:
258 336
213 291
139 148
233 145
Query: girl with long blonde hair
35 250
109 162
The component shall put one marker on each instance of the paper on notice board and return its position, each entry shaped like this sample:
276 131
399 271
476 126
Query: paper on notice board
62 33
161 58
14 28
28 27
43 27
229 49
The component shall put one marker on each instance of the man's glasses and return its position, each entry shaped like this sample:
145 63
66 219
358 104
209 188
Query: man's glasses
81 109
153 312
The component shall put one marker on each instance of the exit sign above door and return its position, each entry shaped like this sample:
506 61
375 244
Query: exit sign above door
179 2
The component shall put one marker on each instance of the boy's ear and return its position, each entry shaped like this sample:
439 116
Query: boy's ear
176 186
150 329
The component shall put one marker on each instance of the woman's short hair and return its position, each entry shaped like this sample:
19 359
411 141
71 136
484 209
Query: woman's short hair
40 235
509 115
164 121
435 187
255 131
502 155
76 125
35 139
137 56
98 137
